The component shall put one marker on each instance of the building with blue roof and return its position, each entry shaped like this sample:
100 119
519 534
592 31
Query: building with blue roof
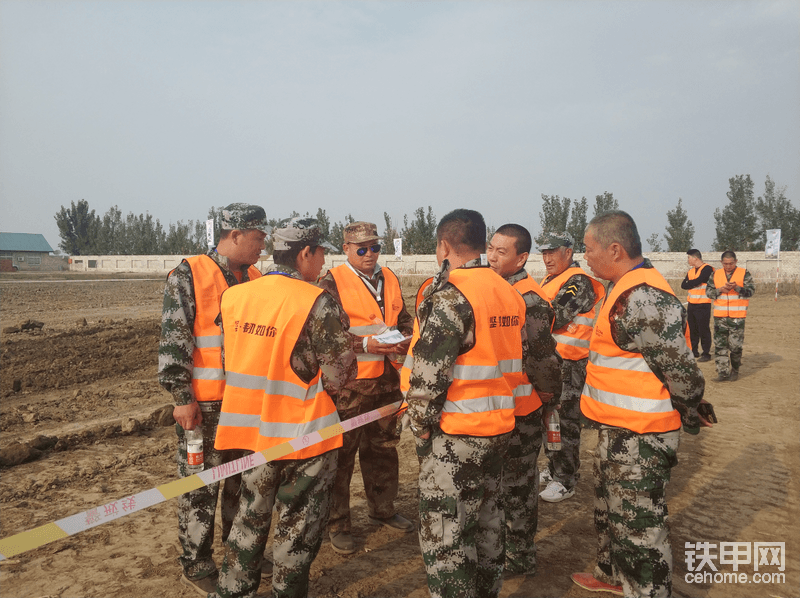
24 251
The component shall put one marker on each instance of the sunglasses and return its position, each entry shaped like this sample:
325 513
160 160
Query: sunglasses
362 251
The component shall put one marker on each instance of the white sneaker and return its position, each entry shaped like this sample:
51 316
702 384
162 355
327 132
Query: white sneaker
555 492
544 477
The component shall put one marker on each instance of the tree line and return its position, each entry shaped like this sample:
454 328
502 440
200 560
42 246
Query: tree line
740 225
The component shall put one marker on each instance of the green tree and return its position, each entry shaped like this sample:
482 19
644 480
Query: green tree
77 227
680 230
737 224
554 215
111 235
605 203
577 224
419 237
389 234
655 243
775 211
337 232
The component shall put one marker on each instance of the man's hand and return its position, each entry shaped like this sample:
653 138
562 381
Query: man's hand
704 423
188 416
545 396
377 348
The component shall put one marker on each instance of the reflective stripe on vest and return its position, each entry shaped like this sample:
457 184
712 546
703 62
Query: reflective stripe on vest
265 401
730 304
621 390
572 340
481 399
360 305
697 295
208 380
528 399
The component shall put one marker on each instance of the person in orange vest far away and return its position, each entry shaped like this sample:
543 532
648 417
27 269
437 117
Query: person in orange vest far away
731 288
699 308
642 385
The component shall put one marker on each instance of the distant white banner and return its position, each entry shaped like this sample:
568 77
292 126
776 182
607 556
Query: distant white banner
210 233
773 248
398 249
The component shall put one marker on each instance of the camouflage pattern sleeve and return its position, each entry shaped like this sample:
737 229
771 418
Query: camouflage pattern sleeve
328 283
575 297
325 345
447 328
176 346
711 289
405 322
542 363
649 321
749 288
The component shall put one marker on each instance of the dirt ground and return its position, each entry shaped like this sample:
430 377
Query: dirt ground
79 384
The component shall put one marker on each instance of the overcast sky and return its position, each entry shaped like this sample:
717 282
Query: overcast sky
371 107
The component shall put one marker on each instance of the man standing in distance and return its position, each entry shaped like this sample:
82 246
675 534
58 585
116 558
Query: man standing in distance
507 254
461 377
370 297
286 357
573 294
190 368
731 288
699 309
642 384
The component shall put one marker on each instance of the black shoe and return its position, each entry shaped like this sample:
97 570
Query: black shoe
734 376
722 378
396 522
342 542
703 358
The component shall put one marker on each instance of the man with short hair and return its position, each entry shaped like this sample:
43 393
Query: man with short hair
190 368
573 295
731 288
371 302
699 308
461 377
507 254
642 384
286 356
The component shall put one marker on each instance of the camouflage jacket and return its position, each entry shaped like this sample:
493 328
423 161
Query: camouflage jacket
576 296
323 344
748 290
544 364
447 329
177 328
652 322
390 379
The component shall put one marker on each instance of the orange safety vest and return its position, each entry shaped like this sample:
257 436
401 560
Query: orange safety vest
208 379
481 399
421 292
265 402
697 295
572 340
730 304
528 399
621 390
365 315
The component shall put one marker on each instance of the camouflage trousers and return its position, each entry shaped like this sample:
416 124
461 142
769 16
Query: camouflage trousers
630 510
521 493
197 509
462 522
728 344
376 446
564 464
300 491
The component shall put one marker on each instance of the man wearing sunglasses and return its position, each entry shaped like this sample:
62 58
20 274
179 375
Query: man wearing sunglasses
371 302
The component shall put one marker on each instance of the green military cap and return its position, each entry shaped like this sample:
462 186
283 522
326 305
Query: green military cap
360 232
302 232
242 216
555 240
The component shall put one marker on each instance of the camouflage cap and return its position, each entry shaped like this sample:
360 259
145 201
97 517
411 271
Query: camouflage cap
555 240
242 216
301 232
360 232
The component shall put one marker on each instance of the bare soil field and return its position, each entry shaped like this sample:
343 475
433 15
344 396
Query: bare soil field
80 395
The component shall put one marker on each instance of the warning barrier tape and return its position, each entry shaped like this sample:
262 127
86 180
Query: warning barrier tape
69 526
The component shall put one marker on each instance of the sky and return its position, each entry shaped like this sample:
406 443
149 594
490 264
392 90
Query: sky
361 108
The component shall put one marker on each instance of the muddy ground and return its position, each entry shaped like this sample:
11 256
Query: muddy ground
74 387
